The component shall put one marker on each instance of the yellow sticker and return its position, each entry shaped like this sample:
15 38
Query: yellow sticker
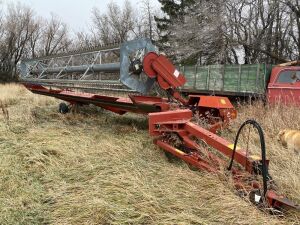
180 152
223 101
231 146
255 157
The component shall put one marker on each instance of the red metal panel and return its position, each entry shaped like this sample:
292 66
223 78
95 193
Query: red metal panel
189 158
147 64
286 93
210 101
178 121
222 145
143 105
170 117
159 102
168 75
279 201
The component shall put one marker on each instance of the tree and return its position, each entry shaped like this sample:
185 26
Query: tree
2 47
254 26
199 35
294 7
34 45
144 23
24 35
55 37
173 11
83 40
116 25
236 31
16 34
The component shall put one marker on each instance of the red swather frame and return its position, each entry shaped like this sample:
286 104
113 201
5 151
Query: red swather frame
165 123
168 118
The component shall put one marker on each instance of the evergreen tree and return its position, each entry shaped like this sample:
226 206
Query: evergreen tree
173 10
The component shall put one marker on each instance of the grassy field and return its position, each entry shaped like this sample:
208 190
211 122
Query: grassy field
94 167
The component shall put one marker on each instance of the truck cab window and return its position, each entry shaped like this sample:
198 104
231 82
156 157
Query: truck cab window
289 76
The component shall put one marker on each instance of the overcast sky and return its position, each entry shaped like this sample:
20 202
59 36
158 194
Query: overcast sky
76 13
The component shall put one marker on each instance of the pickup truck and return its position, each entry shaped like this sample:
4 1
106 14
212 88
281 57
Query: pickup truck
280 83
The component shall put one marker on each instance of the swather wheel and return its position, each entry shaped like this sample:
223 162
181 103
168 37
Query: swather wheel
63 108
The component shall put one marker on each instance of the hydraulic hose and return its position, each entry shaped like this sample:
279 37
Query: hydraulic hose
263 151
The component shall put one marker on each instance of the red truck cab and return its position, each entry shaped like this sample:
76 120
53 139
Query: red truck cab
284 85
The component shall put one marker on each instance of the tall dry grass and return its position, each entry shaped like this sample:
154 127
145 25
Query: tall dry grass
94 167
284 163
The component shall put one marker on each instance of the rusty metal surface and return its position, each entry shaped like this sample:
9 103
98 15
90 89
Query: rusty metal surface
284 90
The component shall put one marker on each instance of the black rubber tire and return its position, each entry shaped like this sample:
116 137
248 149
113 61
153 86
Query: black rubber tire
63 108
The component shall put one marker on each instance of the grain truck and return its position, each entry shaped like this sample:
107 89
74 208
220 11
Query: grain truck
280 83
